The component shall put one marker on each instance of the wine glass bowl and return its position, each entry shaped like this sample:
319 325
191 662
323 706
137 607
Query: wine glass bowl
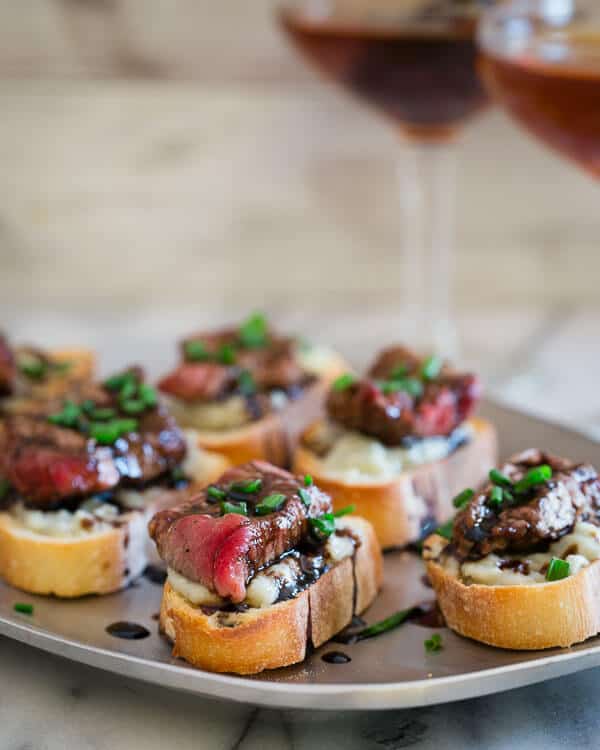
541 61
414 61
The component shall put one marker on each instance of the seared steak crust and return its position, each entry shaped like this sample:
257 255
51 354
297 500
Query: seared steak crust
395 416
550 511
223 551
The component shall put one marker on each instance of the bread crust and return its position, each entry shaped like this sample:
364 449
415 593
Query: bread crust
97 563
278 635
399 508
529 617
273 437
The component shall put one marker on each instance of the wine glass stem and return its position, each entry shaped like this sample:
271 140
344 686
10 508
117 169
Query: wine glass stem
427 213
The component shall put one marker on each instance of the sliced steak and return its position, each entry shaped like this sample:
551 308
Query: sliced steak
156 446
48 465
223 551
373 407
199 381
546 513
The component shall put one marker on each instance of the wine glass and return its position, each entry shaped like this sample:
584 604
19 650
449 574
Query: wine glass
414 61
541 61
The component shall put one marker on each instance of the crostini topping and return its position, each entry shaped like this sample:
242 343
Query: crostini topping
250 362
535 499
222 552
404 397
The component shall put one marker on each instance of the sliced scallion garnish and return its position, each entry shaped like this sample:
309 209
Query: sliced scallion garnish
431 367
496 497
4 488
216 493
343 381
445 529
147 394
398 372
557 569
344 511
226 355
68 417
32 367
323 526
270 504
246 383
499 479
133 406
383 626
250 486
253 332
308 480
412 386
463 498
433 644
196 351
239 508
107 433
535 476
24 609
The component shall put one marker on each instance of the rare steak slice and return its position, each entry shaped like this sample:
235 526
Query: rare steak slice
207 541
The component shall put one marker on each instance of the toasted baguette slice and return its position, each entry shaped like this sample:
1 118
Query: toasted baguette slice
278 635
272 438
528 617
400 508
97 563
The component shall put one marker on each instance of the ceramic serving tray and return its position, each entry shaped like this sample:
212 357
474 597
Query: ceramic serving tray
391 671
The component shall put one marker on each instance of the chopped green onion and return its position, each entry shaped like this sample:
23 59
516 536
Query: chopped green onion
129 389
226 355
463 498
61 367
196 351
557 569
24 609
398 372
239 508
101 414
431 368
107 433
33 368
116 382
324 525
445 529
391 622
496 496
68 417
148 394
270 504
246 383
133 406
4 488
305 497
538 475
433 644
411 386
88 405
499 479
308 480
344 511
253 332
216 492
343 381
250 486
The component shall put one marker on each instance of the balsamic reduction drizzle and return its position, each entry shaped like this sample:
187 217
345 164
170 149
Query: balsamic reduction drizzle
336 657
155 574
130 631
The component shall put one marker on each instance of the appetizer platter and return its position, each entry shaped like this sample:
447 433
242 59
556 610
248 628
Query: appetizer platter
266 526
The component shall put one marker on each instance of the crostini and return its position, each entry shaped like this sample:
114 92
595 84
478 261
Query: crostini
260 569
249 391
519 568
79 479
399 443
27 372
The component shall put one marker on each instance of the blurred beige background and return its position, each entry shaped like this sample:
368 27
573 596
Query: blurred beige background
164 163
